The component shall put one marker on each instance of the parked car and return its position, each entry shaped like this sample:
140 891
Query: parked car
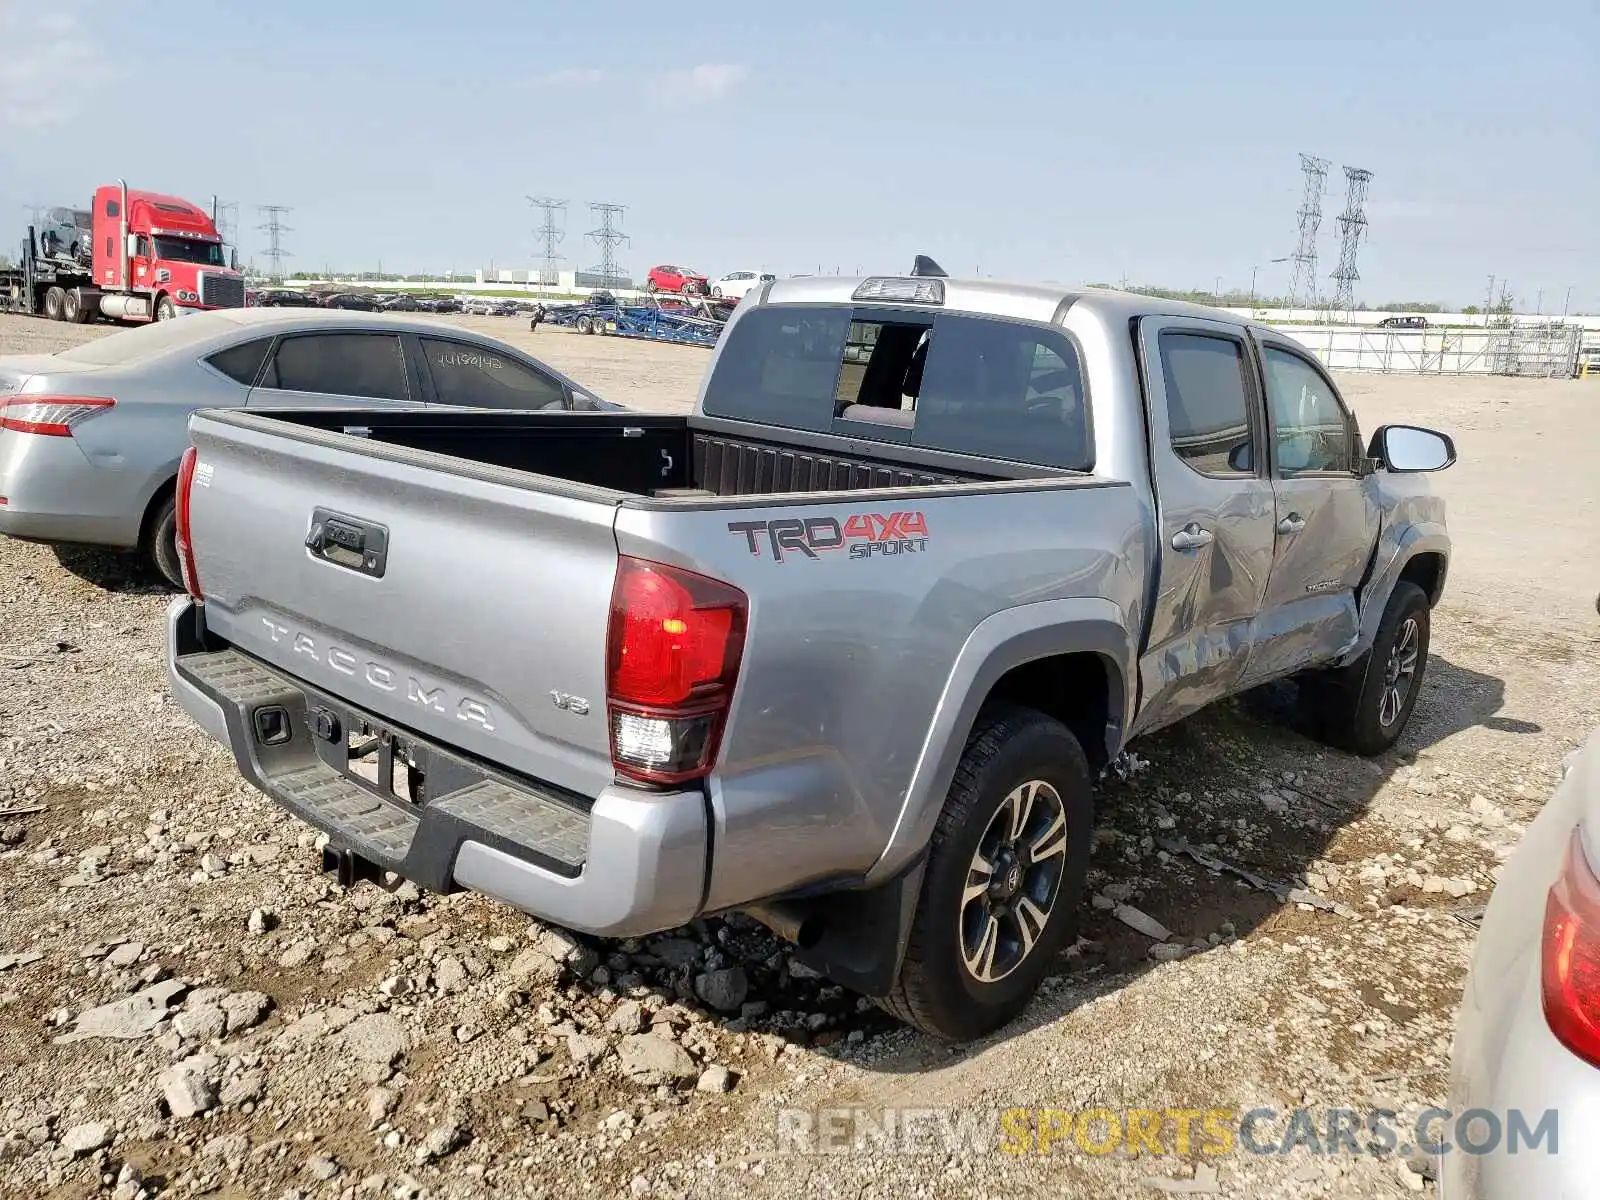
400 304
736 283
674 279
707 662
90 438
286 298
351 301
1527 1034
1410 321
478 307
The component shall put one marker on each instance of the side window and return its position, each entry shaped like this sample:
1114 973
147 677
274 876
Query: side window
242 363
340 364
1003 390
113 209
482 378
1208 404
1310 429
142 247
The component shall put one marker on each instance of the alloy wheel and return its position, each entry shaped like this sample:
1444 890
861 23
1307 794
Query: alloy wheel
1013 881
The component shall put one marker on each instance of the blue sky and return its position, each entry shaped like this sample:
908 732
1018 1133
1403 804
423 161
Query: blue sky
1055 141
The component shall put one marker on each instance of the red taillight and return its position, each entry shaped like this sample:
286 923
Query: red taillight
672 656
1570 955
50 416
191 577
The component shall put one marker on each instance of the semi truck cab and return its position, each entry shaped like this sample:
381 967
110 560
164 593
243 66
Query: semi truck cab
161 256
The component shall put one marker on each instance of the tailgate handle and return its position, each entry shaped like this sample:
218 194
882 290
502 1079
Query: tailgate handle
349 542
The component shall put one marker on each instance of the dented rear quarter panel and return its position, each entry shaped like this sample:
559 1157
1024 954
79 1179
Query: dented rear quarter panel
851 651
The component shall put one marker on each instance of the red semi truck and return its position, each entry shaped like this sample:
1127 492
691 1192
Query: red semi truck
150 258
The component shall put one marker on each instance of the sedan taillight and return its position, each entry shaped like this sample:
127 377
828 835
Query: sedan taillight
50 416
180 518
1570 955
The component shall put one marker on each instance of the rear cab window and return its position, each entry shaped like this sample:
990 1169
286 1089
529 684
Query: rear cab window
928 379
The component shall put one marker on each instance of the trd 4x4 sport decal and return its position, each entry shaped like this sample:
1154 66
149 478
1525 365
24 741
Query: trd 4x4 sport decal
864 535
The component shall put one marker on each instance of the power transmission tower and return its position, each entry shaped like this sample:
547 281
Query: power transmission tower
550 235
228 222
1352 224
274 228
1303 280
608 237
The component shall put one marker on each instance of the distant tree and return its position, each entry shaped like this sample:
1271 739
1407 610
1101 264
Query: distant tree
1411 306
1470 310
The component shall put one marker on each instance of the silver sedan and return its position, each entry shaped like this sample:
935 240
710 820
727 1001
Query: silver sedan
90 438
1526 1059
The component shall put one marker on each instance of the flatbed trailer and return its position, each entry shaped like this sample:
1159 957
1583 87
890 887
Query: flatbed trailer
58 287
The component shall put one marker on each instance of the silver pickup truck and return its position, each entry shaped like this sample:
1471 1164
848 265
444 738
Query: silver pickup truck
843 649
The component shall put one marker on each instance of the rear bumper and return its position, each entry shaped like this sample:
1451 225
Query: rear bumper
630 863
55 494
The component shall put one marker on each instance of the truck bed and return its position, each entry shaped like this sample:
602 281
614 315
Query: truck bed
633 453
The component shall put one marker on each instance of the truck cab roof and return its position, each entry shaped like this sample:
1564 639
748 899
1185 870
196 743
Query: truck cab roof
991 297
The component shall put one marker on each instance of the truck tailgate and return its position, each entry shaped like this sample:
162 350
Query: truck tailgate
473 604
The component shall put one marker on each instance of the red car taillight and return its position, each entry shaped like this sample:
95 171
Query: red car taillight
1570 955
191 577
50 416
672 657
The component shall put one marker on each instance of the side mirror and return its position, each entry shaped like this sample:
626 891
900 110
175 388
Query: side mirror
133 245
1411 448
1242 458
233 260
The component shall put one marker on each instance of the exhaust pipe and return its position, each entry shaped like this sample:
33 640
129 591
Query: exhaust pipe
122 240
792 922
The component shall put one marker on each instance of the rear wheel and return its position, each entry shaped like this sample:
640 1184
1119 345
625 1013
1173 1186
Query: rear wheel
55 302
1005 876
717 292
72 307
165 309
582 325
161 543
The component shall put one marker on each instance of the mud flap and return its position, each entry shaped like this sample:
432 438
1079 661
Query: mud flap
865 934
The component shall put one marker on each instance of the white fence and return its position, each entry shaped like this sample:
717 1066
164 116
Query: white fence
1543 349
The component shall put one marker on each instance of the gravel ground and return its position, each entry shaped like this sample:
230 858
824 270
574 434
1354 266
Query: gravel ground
188 1006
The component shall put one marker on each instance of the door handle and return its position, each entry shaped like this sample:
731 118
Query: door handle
1192 537
1293 523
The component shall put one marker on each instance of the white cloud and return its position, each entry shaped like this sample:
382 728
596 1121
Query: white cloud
43 49
708 81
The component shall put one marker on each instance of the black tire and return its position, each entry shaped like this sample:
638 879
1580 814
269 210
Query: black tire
717 292
649 285
582 325
1347 707
72 307
161 543
55 302
937 992
165 309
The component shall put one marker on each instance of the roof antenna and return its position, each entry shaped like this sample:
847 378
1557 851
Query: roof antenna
925 266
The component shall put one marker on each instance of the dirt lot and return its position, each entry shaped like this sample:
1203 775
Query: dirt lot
274 1036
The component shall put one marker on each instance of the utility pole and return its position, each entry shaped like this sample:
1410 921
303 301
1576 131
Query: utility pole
550 234
1216 292
1538 304
274 228
1565 302
1488 304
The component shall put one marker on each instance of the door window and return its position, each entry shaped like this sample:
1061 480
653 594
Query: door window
1208 403
1310 428
480 377
340 364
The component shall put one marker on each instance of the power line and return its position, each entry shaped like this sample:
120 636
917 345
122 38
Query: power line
274 228
1303 279
608 237
1352 224
550 235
